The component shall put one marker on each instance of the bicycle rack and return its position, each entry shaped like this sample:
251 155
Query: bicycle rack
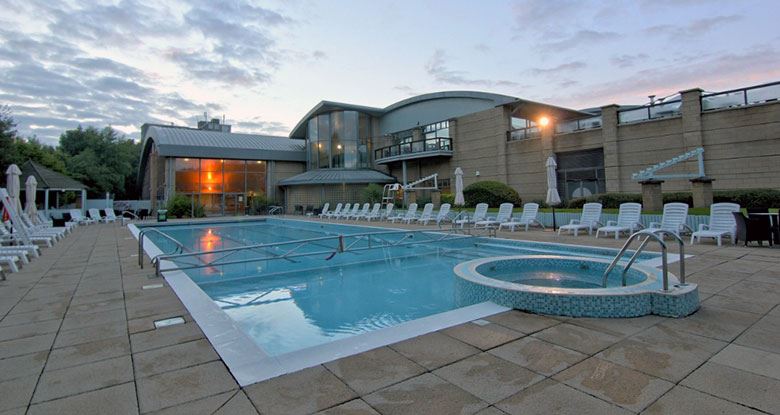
658 235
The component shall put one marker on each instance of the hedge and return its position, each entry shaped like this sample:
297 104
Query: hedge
491 192
180 206
745 198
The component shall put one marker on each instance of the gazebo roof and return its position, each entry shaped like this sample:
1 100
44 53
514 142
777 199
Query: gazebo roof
48 178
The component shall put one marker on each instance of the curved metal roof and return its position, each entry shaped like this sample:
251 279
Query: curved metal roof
191 142
427 108
337 176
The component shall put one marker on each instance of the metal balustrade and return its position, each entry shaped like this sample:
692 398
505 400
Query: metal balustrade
339 244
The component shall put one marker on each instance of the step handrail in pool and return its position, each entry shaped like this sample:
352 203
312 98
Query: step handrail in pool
142 233
662 233
649 234
341 247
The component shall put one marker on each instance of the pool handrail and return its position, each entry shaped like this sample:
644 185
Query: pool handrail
142 233
331 252
649 234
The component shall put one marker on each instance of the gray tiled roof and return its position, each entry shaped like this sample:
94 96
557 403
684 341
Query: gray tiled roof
48 178
190 142
337 176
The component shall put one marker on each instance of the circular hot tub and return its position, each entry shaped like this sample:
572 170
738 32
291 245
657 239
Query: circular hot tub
572 286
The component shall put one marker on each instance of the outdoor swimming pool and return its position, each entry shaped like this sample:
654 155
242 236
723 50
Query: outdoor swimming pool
345 283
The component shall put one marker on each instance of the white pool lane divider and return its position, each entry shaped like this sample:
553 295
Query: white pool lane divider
249 363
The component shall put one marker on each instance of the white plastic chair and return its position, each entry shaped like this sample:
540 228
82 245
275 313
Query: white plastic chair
444 213
346 210
335 212
388 213
324 210
427 214
590 218
721 224
527 218
480 214
629 217
673 219
503 216
408 216
363 211
375 212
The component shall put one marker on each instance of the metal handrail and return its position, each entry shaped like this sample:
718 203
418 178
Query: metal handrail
649 235
141 235
681 244
291 253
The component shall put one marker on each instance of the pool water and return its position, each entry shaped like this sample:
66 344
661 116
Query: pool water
302 301
556 274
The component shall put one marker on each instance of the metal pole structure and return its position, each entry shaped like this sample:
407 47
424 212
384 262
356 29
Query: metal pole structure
403 177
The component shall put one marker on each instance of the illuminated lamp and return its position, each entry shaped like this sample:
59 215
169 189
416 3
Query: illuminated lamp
544 121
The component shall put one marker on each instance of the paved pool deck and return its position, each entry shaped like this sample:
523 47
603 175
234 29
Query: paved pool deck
77 336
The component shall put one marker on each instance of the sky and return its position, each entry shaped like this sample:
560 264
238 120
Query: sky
263 65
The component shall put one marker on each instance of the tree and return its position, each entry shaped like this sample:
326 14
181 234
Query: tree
7 138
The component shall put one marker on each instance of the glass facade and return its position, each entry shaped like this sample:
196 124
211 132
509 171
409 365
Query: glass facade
340 139
223 187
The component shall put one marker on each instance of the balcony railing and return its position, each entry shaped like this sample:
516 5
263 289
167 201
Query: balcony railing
578 125
414 149
523 133
650 112
741 97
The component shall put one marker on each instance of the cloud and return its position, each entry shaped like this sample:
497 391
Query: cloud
543 16
481 47
714 72
437 68
562 68
625 61
583 37
258 126
319 55
694 28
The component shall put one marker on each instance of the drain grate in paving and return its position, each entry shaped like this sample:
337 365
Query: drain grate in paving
481 322
168 322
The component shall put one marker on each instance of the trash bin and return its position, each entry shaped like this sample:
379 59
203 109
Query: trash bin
162 215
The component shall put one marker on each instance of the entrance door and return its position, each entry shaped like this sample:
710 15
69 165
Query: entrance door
234 204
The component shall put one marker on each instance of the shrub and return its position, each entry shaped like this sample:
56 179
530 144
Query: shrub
607 200
491 192
259 204
422 200
180 206
760 198
372 193
679 197
448 198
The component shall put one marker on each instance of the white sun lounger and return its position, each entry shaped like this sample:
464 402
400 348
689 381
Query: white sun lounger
444 213
426 215
344 211
590 218
324 210
376 212
503 216
527 218
347 213
388 213
10 261
480 213
77 217
335 212
721 224
673 219
408 216
363 211
628 221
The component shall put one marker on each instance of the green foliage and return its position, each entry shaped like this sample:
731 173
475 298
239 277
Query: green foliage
180 206
677 197
259 204
101 159
448 198
607 200
7 138
423 200
371 193
760 198
491 192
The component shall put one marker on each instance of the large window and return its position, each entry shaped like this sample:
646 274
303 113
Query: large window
340 139
222 186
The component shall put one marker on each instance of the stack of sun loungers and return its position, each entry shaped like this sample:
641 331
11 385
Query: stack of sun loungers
22 236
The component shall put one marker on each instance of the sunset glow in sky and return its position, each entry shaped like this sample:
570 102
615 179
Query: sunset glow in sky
265 64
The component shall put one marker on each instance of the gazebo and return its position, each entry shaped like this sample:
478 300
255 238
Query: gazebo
51 181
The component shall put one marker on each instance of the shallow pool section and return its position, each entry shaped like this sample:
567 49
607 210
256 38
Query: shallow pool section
572 286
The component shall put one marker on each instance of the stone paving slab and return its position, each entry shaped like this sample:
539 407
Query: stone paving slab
79 311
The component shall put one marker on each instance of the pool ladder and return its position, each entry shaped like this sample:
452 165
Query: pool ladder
178 249
657 235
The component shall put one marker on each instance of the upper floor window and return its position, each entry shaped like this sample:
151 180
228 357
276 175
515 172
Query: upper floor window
439 129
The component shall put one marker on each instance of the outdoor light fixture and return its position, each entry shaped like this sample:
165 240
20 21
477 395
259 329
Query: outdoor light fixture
477 174
338 146
544 121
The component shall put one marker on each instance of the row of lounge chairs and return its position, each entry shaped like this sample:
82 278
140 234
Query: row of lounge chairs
722 221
